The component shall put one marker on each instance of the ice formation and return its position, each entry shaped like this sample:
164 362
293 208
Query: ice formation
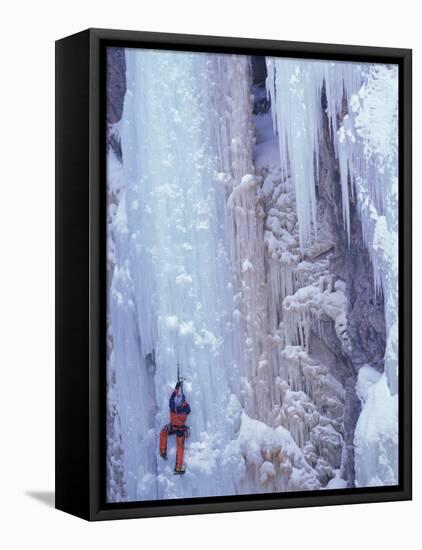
362 107
295 88
217 259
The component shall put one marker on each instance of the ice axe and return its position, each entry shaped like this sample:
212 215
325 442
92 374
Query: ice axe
180 379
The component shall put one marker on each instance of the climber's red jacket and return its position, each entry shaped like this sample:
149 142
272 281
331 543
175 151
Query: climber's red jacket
178 414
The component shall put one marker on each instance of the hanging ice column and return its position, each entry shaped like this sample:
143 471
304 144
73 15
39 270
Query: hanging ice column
292 91
171 295
244 229
295 88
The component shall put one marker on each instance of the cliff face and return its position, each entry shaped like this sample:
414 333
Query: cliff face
116 90
116 83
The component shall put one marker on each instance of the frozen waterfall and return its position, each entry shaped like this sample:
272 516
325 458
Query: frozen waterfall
219 261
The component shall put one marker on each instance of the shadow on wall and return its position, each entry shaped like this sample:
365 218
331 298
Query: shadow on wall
45 497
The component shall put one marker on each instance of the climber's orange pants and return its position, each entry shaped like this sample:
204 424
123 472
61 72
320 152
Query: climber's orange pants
169 429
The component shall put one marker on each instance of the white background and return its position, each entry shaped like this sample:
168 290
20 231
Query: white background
28 31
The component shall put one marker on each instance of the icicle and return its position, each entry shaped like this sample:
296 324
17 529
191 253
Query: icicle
296 98
296 101
270 85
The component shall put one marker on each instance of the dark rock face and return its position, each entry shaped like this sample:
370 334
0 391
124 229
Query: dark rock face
116 89
351 264
261 103
116 83
259 69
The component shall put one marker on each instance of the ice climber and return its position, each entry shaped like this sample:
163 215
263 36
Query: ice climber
179 410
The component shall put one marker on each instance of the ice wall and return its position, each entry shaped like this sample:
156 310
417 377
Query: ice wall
116 486
218 261
189 286
376 435
171 292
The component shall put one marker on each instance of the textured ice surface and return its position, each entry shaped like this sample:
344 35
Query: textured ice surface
295 87
216 262
362 107
376 435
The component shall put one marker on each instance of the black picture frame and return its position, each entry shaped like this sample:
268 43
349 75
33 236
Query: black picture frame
80 273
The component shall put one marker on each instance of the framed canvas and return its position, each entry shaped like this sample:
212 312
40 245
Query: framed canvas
233 274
